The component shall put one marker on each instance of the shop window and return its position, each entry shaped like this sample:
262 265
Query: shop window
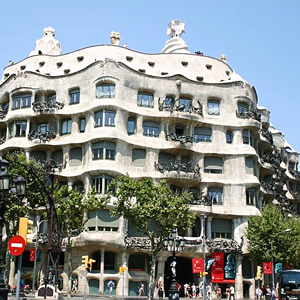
109 262
138 262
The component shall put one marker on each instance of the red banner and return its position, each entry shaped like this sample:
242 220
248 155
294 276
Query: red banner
197 265
32 254
267 267
217 270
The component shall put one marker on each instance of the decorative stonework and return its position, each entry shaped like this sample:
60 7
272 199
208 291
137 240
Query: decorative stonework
20 74
115 38
183 139
108 60
137 242
42 136
178 167
44 107
173 105
248 115
175 44
47 44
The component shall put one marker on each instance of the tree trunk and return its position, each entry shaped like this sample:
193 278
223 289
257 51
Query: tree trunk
69 267
152 275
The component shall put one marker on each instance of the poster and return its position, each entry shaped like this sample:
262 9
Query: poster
223 268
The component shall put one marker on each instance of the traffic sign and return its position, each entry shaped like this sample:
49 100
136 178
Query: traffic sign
16 245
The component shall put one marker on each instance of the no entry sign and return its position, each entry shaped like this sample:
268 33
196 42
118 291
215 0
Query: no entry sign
16 245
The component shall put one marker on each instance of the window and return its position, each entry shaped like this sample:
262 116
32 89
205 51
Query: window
75 156
51 98
213 107
179 130
57 156
229 137
74 96
145 100
21 101
216 195
104 150
247 137
106 90
250 196
185 104
66 126
243 108
131 123
82 124
101 183
109 261
18 129
43 127
165 158
79 186
138 262
102 220
38 155
195 193
202 134
109 118
138 157
249 163
221 228
151 129
213 165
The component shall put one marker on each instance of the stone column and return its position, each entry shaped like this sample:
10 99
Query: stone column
101 282
124 284
208 227
238 276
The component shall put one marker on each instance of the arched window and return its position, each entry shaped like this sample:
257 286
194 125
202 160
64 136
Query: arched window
105 90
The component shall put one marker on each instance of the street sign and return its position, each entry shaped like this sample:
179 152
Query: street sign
16 245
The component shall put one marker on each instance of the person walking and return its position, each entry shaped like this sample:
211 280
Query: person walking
141 289
110 285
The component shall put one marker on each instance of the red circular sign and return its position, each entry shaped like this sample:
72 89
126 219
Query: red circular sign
16 245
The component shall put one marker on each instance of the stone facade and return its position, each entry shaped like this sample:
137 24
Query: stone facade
107 110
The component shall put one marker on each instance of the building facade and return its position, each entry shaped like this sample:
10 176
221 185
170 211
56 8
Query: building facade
188 118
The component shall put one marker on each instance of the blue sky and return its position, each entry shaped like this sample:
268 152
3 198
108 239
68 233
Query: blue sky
260 38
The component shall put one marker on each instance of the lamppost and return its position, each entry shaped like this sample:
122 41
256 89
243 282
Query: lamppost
173 243
19 189
204 258
271 241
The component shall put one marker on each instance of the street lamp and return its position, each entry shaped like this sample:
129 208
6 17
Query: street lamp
271 241
173 243
203 253
4 187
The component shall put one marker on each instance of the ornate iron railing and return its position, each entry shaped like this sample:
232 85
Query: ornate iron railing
178 167
267 134
203 200
249 114
2 140
3 113
42 136
184 139
45 106
173 105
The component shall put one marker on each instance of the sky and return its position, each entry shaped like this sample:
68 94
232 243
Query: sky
260 38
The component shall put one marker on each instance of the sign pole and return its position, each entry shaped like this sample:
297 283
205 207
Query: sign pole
19 277
85 283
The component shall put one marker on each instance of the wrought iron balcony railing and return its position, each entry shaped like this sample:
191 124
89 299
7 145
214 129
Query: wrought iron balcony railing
173 105
178 167
249 114
46 106
42 136
184 139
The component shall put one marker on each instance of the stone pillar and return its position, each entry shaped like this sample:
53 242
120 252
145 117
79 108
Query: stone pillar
101 282
190 232
208 227
238 276
124 284
139 125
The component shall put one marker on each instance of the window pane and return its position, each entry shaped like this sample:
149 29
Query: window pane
82 125
138 157
213 107
145 100
105 91
110 118
74 96
228 137
131 126
185 104
99 118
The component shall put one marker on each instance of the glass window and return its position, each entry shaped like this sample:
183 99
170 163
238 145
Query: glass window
202 134
43 127
109 118
250 196
145 100
185 104
221 228
52 98
213 107
101 183
20 128
57 156
104 150
38 155
151 129
179 130
102 220
21 101
109 261
249 162
106 90
75 156
139 157
82 124
229 137
216 195
131 126
138 262
74 96
213 165
66 126
242 107
247 137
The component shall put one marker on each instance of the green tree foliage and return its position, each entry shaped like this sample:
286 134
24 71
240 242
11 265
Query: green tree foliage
145 204
271 226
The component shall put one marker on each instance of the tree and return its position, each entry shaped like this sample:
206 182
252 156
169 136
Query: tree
145 204
271 225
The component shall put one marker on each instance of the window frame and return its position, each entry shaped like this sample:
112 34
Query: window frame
100 94
216 195
21 101
102 181
68 124
147 101
251 196
74 96
151 129
213 110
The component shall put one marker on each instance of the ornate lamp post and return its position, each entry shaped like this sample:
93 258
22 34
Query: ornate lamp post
173 244
4 187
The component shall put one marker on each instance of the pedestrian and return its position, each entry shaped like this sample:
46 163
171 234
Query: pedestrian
258 293
227 293
232 293
186 290
219 293
160 291
110 285
141 289
273 294
75 285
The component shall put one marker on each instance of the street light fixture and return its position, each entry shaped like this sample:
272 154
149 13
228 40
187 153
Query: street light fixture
271 241
173 244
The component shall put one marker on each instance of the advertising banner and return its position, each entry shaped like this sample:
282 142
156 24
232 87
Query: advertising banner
223 268
267 267
197 265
